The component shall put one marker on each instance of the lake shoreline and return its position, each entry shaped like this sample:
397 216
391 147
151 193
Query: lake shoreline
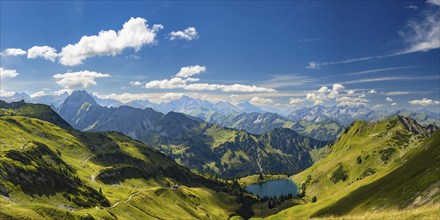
255 179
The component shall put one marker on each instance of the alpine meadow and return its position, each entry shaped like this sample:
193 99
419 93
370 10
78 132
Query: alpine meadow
234 110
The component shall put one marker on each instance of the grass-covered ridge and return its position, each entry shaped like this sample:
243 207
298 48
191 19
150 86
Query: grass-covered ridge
359 173
39 111
47 172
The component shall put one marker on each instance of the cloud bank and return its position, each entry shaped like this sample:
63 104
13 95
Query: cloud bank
7 74
81 79
424 102
13 52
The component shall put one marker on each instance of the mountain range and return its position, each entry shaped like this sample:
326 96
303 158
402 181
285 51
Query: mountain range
213 112
199 145
48 169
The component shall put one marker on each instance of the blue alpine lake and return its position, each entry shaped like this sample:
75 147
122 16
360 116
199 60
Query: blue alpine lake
273 188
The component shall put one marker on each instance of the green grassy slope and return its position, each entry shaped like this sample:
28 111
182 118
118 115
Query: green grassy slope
61 174
413 184
373 166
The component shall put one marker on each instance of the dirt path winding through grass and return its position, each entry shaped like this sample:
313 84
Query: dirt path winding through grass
85 160
129 198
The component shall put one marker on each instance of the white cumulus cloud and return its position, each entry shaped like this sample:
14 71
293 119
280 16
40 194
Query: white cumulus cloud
5 93
135 33
389 99
188 71
424 102
46 52
294 101
172 83
13 52
153 97
81 79
316 98
345 100
7 74
338 87
38 94
324 89
260 101
188 34
135 83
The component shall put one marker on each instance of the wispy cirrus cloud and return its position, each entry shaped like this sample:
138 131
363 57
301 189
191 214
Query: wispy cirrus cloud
421 34
380 79
413 7
380 70
287 80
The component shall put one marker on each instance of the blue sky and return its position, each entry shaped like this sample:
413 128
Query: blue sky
281 54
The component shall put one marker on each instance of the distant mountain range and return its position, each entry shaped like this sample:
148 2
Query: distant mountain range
52 100
241 115
259 123
192 142
345 115
51 170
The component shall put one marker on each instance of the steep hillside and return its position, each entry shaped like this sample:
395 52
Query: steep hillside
50 172
190 141
373 166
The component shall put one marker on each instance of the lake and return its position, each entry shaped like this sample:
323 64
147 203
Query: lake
273 188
